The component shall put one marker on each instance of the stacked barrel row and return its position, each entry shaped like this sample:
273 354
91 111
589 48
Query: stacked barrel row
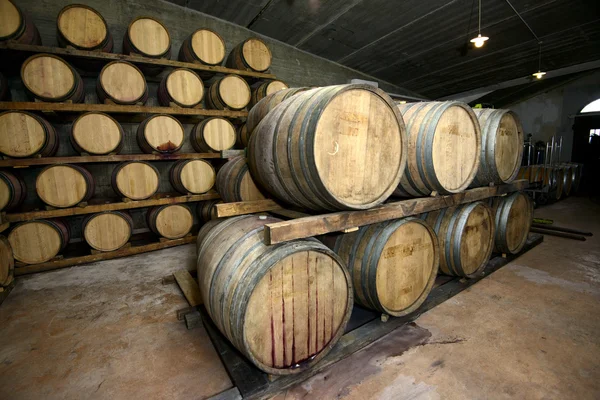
559 180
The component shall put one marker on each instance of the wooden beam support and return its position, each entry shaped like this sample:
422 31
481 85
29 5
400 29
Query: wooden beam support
245 207
26 162
339 221
189 287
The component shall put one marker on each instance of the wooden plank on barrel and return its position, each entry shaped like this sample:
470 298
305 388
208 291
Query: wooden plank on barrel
321 224
245 207
189 287
109 158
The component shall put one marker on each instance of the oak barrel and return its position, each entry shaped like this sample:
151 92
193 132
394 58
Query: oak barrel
513 219
50 78
568 179
171 221
524 172
107 231
96 133
206 209
228 92
332 148
234 182
181 86
559 175
7 262
64 185
24 135
122 83
501 146
83 28
252 54
4 89
393 264
266 88
160 133
242 136
283 306
213 135
12 191
264 106
135 180
192 176
444 146
35 242
148 37
17 26
203 46
549 177
466 237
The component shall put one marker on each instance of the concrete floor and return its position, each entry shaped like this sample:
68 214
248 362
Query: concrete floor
109 330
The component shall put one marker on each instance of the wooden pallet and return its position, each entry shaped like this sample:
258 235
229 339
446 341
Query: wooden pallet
365 327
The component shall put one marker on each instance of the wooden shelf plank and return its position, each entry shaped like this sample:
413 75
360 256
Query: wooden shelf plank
96 55
69 262
245 207
25 162
114 108
90 209
335 222
189 287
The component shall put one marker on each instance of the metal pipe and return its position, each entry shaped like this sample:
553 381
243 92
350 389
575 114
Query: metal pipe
559 234
561 229
526 24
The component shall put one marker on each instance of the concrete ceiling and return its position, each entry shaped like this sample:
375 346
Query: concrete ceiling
423 45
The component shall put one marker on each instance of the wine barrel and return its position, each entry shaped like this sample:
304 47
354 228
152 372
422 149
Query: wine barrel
242 136
206 210
576 175
25 135
444 146
17 26
205 230
283 306
64 185
83 28
4 89
122 83
96 133
333 148
466 237
107 231
251 55
228 92
213 135
203 46
7 262
182 87
536 173
568 179
192 176
393 264
160 133
171 221
234 182
148 37
12 191
513 219
524 172
50 78
559 175
264 106
35 242
135 180
265 89
501 146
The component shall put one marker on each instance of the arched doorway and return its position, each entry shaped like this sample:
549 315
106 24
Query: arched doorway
586 146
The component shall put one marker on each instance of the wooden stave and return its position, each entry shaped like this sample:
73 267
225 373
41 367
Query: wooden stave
260 91
502 207
4 89
206 209
242 136
260 110
105 46
446 222
81 150
123 214
228 301
372 239
213 98
27 33
187 53
307 190
76 94
236 58
153 213
58 225
164 97
88 177
9 266
175 178
149 149
129 48
229 180
50 146
119 167
489 120
197 135
18 190
427 181
103 96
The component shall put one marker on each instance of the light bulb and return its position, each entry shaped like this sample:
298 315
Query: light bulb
539 74
479 41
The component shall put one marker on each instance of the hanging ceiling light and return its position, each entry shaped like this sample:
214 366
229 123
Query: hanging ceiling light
479 40
539 73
